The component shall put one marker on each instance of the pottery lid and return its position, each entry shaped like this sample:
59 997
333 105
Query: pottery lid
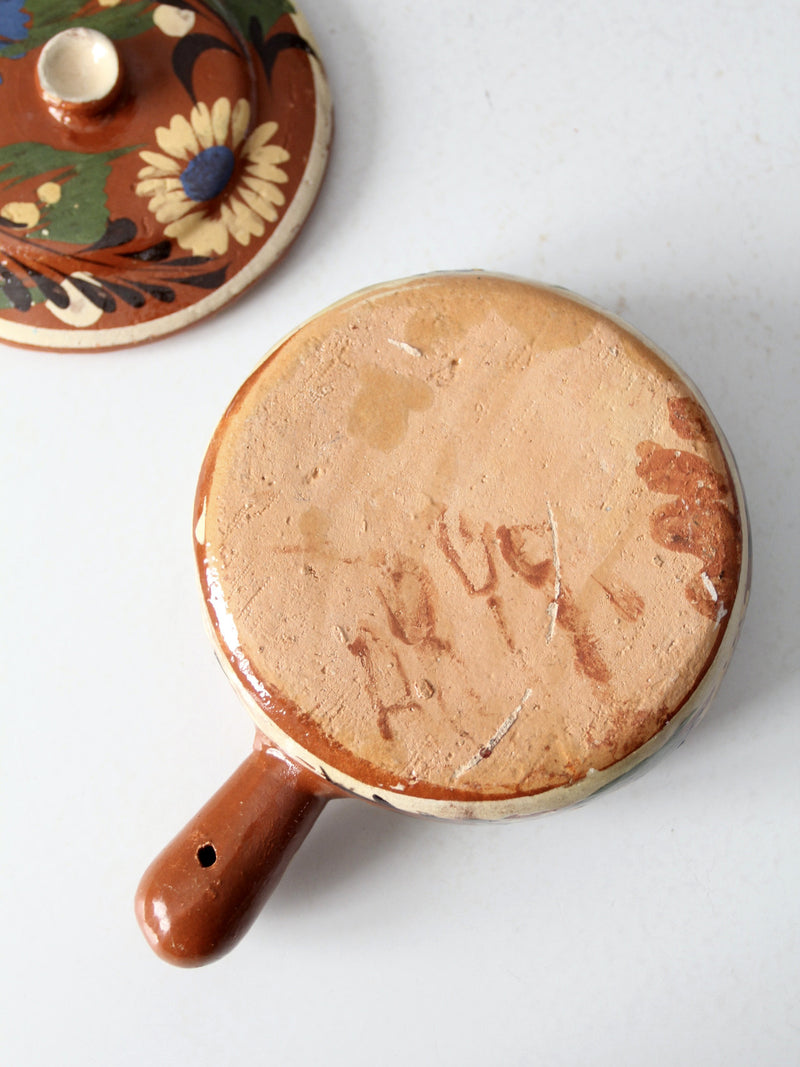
155 160
465 539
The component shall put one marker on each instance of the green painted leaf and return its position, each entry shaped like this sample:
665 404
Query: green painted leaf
80 216
48 18
266 11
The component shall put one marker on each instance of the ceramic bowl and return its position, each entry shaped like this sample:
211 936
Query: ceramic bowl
470 548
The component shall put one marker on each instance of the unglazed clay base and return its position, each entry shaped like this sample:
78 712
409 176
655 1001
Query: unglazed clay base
470 547
155 160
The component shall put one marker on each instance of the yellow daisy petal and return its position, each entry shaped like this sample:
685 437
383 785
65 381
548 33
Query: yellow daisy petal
239 122
220 119
157 185
241 221
150 172
199 235
269 155
163 164
177 139
268 175
148 187
168 208
271 193
260 136
200 119
264 206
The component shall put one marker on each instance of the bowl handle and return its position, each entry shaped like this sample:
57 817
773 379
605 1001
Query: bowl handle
203 891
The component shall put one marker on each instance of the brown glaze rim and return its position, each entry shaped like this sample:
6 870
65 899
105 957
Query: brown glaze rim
280 720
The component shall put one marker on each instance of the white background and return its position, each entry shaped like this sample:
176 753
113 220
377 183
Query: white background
645 155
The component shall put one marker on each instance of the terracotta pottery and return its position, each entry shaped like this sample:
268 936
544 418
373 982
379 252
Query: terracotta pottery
155 160
470 548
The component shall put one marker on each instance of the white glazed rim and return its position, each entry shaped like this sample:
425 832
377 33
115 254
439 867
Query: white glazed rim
551 799
284 233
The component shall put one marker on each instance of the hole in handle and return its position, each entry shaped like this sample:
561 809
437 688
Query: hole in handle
207 855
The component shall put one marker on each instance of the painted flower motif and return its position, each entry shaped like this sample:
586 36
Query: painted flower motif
26 213
174 21
211 183
13 20
79 312
22 213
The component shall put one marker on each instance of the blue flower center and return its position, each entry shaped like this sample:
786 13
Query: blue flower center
208 173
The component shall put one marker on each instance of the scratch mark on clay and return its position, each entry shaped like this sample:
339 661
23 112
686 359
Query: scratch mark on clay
487 749
409 349
496 608
244 610
552 607
709 586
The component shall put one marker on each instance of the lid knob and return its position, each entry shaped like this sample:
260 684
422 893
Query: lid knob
79 73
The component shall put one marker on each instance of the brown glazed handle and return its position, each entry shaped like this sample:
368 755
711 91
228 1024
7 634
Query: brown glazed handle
203 891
